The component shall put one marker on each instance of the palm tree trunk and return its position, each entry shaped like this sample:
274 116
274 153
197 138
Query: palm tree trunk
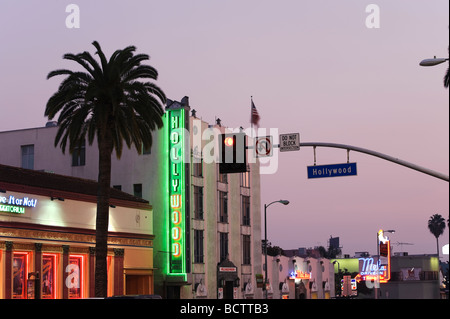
102 221
437 246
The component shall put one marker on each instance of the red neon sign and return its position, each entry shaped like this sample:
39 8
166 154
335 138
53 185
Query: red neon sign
371 269
300 275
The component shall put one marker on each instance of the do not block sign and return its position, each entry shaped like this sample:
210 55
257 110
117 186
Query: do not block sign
289 142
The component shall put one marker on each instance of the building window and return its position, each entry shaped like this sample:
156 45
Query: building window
20 275
429 275
223 246
223 178
137 190
197 166
198 246
223 207
79 155
146 151
245 179
246 250
118 187
198 202
245 208
27 156
49 276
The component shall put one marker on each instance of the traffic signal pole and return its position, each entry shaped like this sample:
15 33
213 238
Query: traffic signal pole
380 155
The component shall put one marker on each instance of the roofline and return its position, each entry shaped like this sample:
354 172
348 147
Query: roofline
28 129
117 198
71 195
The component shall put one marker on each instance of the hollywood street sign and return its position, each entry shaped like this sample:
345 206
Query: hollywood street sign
333 170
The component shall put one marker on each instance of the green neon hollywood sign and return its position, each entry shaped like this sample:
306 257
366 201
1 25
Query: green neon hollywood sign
175 126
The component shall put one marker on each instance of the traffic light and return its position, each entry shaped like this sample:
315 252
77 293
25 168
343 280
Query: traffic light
233 153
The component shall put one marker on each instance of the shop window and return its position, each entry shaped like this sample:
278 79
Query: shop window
20 274
109 270
49 266
75 278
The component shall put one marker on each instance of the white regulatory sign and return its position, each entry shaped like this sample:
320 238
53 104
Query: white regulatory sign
289 142
264 146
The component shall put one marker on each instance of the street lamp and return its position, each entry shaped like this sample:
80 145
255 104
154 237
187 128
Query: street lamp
339 276
380 233
284 202
432 62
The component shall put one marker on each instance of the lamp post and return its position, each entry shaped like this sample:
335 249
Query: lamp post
339 277
432 62
380 233
436 61
284 202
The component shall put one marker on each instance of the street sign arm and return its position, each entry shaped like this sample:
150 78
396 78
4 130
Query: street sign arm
380 155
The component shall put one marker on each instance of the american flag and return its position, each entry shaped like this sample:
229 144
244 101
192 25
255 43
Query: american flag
254 119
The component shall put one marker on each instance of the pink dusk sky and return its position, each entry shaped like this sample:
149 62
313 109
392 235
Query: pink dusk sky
316 68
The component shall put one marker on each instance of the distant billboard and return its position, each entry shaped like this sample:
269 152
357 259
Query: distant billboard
334 242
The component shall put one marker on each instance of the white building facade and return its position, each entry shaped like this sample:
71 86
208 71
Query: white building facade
208 243
300 278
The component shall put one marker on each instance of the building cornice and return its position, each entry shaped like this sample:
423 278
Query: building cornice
9 231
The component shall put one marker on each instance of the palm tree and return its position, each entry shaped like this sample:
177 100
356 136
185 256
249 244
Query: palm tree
436 225
447 75
108 102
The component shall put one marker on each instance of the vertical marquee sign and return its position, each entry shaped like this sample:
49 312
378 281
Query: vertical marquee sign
178 203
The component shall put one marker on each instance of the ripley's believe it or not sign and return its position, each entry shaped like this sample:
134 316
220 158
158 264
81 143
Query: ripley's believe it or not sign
15 205
175 126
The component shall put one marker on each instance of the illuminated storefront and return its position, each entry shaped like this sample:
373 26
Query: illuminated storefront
47 238
297 277
199 216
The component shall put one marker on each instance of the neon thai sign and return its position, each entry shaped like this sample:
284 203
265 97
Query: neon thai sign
176 191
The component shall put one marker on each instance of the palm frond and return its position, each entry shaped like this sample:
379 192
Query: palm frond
58 72
100 53
108 94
